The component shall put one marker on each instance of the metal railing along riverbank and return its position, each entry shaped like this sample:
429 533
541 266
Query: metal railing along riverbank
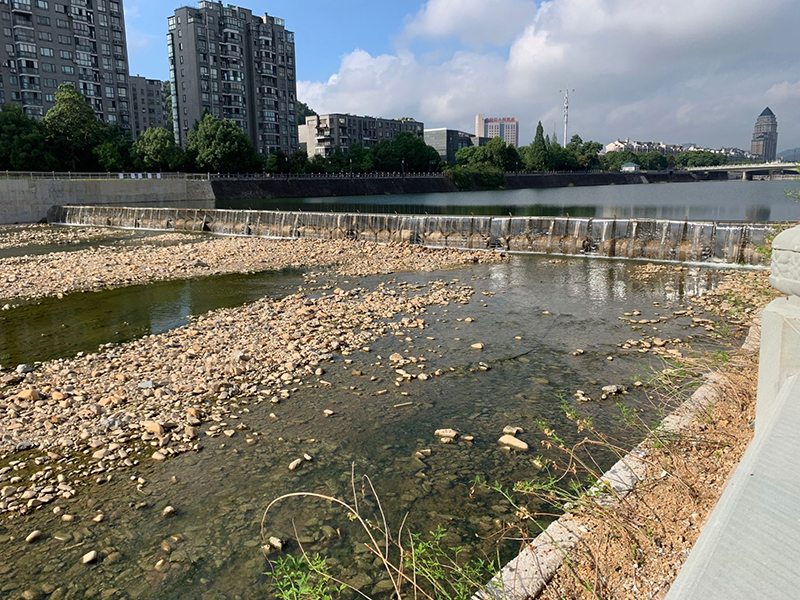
654 239
98 176
284 176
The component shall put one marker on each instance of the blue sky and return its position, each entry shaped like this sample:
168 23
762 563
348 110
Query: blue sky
681 71
325 30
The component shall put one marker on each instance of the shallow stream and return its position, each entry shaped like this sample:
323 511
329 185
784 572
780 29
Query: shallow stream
220 493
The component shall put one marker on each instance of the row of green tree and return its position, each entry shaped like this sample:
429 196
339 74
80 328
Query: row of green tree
543 154
407 153
655 161
71 138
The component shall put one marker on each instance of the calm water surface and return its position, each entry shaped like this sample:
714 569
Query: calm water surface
80 322
220 493
754 201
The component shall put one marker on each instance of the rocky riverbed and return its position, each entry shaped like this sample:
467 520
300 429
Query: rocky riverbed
15 236
150 399
29 277
214 419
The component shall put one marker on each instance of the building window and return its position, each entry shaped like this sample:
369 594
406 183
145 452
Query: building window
67 70
61 23
64 39
46 52
45 36
51 83
42 4
65 54
48 67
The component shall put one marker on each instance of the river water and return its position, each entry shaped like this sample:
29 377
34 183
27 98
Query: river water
54 328
220 493
753 201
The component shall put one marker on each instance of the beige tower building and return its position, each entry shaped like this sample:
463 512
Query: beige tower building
764 146
506 128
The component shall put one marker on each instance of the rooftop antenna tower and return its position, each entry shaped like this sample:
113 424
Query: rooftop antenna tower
566 92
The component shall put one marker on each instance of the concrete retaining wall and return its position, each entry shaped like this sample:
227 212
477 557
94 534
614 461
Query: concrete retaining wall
750 546
28 200
238 190
652 239
233 190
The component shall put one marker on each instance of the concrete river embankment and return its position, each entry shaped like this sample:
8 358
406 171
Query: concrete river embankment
651 239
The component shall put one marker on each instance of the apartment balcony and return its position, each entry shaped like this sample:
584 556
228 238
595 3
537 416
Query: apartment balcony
28 71
323 134
23 7
22 37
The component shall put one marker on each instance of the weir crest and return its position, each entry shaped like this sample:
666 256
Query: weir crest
635 238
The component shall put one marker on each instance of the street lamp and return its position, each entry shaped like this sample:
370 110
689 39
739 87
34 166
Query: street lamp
404 166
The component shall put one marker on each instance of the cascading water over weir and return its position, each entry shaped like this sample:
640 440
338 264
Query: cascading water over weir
652 239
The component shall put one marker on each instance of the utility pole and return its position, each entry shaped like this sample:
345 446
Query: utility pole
566 92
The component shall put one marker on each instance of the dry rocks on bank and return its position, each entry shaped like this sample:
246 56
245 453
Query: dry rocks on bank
16 236
106 267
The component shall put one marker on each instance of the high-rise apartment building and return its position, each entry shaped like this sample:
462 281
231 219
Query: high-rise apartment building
507 128
322 133
764 146
80 42
147 99
235 65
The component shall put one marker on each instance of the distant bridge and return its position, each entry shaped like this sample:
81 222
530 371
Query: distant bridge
748 169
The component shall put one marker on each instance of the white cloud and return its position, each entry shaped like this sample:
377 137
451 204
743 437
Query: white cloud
474 22
698 70
784 92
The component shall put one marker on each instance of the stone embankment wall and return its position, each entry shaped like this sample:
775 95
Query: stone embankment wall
237 190
28 200
322 187
652 239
